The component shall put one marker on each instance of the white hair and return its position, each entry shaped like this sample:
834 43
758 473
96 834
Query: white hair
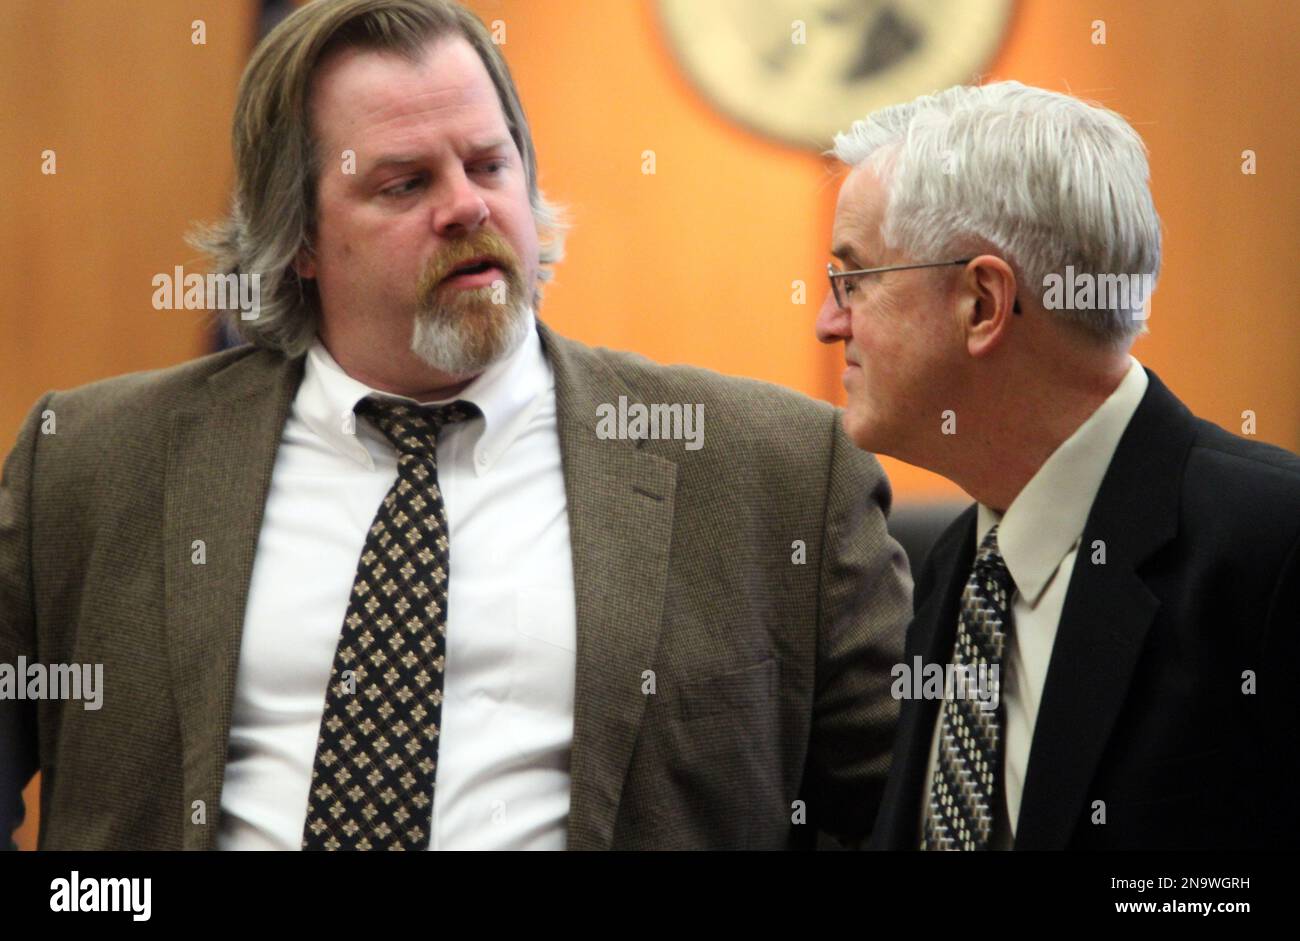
1047 179
459 347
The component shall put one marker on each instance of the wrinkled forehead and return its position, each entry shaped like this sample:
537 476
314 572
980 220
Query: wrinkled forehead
859 213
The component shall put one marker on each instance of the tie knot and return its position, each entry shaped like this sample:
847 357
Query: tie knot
990 564
412 428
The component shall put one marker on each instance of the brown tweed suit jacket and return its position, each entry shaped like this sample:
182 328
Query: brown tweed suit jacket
771 677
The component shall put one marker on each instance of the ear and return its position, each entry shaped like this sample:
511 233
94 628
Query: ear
304 263
989 308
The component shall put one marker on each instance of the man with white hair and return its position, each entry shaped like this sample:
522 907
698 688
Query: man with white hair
1122 600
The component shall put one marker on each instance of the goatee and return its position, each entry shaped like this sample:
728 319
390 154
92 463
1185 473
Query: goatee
461 331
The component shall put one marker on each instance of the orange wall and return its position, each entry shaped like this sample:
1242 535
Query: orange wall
693 264
139 119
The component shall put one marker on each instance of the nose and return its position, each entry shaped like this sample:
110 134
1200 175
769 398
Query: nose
833 321
461 210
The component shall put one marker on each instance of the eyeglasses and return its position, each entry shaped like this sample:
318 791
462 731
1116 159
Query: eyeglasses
851 286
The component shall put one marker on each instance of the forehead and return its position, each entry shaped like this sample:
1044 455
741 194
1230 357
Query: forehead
860 208
372 94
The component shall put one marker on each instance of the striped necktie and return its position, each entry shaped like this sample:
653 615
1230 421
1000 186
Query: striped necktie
966 792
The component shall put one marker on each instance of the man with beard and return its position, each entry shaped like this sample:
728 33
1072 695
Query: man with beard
376 582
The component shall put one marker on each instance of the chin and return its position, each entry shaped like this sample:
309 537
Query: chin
470 341
860 429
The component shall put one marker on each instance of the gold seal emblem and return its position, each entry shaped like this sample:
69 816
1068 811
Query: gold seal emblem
801 70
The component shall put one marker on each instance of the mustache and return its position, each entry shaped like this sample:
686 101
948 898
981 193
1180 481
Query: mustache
481 244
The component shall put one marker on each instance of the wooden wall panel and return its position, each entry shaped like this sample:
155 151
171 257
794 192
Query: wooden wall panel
693 264
138 117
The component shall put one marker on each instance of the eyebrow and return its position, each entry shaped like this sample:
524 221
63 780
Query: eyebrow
394 160
845 253
398 160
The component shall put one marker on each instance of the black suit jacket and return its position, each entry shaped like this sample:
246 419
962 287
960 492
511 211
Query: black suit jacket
1143 706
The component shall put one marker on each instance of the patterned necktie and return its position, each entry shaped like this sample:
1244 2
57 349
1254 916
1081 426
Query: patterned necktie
967 786
377 753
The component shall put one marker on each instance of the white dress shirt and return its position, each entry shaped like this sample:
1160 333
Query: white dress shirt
1039 538
507 712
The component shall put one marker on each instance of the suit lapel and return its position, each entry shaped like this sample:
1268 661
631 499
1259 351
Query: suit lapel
620 506
620 503
930 637
219 461
1104 623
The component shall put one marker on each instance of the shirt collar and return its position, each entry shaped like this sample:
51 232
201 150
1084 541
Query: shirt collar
509 393
1047 517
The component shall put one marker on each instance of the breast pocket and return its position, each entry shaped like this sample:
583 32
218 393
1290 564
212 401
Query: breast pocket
730 692
1167 778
